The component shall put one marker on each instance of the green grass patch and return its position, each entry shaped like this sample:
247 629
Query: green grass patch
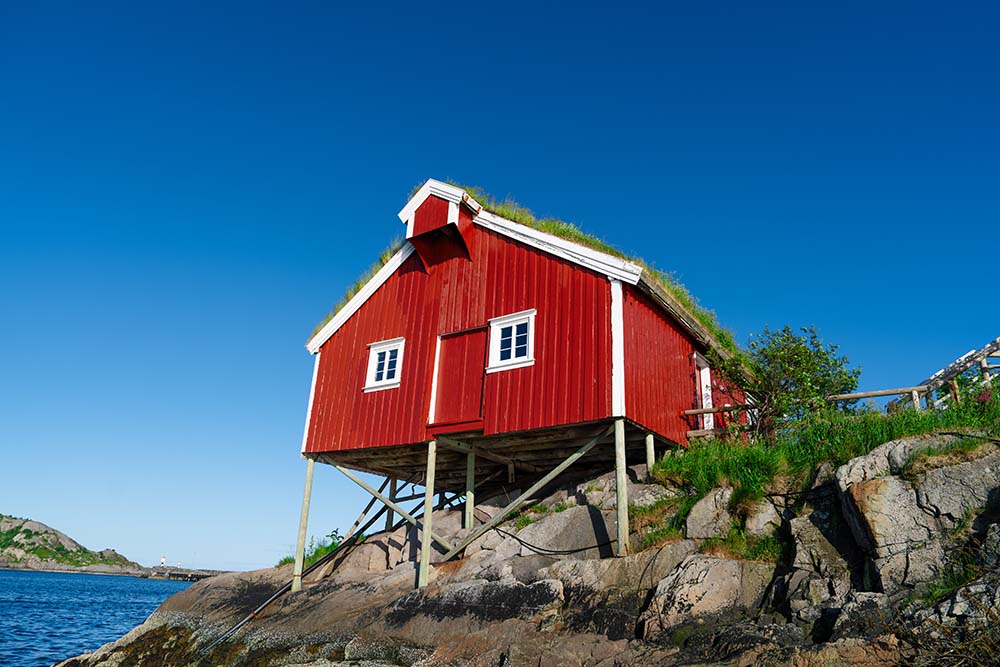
960 450
737 544
950 580
47 547
752 467
661 535
316 549
663 521
560 507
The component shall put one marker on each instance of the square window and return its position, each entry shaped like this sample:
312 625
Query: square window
385 361
512 342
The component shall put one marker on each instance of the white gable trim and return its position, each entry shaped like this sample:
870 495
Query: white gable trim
359 299
609 265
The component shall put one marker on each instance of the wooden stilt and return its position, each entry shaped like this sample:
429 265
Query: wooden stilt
621 488
423 576
470 490
392 496
300 545
650 455
915 396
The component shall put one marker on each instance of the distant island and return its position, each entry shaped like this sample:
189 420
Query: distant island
32 545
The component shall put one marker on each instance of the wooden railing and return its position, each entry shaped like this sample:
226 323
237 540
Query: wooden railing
944 381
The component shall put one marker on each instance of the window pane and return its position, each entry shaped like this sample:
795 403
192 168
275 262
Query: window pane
379 366
520 351
506 342
390 372
522 329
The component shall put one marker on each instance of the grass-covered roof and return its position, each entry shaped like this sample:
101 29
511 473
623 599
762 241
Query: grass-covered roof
512 210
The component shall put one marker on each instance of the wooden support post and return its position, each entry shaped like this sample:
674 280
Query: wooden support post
470 491
621 488
984 371
650 455
956 395
425 537
300 545
915 396
389 520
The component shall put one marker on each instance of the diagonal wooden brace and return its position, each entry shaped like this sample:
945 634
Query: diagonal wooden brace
506 511
391 505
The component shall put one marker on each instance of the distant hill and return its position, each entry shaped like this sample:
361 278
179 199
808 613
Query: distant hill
30 545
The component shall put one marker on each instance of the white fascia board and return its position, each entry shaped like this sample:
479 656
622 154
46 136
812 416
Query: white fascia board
601 262
359 299
617 349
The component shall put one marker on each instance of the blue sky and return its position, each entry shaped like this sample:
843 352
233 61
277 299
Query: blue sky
185 191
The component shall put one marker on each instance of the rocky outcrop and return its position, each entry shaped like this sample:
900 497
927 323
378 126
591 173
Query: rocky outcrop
710 516
904 522
762 518
31 545
859 549
705 588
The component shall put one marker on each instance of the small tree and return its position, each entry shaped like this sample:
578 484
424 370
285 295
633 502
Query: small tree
787 375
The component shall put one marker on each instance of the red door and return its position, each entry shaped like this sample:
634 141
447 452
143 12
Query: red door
458 405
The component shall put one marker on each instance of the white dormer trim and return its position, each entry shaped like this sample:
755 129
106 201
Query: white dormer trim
450 193
358 300
595 260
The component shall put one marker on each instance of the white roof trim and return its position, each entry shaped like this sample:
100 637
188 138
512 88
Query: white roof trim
601 262
359 299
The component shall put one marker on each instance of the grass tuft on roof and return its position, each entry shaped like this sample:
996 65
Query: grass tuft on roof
362 280
511 210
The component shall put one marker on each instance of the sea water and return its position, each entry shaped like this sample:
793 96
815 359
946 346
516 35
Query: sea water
48 617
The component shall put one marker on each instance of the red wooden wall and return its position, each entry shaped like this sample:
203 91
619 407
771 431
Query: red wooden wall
570 381
659 369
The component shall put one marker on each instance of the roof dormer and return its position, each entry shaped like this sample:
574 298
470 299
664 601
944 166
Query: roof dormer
438 221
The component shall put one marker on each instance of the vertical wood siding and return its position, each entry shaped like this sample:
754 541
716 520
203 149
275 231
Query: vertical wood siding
433 213
659 369
570 381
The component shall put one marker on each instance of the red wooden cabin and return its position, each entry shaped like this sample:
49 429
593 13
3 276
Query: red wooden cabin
492 337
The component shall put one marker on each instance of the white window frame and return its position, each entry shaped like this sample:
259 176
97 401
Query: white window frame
494 363
371 384
703 376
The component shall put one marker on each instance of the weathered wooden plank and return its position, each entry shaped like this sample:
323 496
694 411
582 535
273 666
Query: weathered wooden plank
881 392
712 411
